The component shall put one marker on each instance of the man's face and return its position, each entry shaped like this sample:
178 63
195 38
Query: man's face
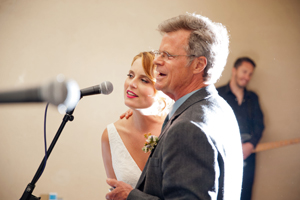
173 73
243 74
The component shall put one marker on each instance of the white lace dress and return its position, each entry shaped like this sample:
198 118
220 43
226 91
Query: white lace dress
124 166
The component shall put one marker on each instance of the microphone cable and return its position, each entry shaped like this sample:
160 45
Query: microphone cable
45 142
45 138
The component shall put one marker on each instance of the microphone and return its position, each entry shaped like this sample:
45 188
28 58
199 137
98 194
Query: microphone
61 93
105 87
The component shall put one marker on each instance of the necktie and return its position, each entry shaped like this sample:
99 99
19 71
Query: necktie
166 120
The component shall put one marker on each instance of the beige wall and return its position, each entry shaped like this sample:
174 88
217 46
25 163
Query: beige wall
93 41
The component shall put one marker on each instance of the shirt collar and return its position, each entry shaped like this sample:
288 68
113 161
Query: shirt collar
179 102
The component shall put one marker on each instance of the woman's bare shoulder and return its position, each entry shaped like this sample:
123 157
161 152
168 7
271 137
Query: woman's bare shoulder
104 137
122 125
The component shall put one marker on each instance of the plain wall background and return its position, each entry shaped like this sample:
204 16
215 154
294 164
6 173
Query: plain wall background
93 41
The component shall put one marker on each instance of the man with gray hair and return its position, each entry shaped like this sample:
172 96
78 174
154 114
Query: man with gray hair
199 154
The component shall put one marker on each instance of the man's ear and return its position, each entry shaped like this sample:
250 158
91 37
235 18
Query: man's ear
233 71
200 64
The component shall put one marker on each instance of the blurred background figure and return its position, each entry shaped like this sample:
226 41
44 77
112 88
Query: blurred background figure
248 114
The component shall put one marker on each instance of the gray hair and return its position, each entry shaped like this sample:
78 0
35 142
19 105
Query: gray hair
207 38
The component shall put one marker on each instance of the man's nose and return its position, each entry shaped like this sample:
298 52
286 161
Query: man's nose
158 60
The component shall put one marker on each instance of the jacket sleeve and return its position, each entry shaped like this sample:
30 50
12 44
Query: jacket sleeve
137 194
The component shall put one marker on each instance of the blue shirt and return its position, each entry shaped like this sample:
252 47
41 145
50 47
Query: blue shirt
179 102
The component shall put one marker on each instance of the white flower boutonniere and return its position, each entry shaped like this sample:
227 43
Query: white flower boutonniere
150 143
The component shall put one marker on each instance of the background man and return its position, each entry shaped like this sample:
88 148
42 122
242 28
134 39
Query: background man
194 159
249 116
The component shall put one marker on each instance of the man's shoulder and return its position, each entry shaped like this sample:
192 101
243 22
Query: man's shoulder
206 107
252 94
221 88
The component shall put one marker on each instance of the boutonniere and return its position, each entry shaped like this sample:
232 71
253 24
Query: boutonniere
150 143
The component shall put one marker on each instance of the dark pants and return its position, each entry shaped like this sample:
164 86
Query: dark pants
248 177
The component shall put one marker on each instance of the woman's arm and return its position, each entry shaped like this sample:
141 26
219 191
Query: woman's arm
106 155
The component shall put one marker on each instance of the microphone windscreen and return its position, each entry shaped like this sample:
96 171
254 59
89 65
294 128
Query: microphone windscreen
106 87
63 93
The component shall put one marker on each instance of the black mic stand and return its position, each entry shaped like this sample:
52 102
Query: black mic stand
27 195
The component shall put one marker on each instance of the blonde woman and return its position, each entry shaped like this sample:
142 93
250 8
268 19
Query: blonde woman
122 141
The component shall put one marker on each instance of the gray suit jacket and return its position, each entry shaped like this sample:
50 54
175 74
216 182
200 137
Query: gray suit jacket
198 156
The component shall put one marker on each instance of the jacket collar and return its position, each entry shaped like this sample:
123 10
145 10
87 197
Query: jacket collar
200 95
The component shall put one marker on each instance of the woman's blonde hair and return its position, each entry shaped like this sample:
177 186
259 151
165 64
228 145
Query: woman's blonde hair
147 62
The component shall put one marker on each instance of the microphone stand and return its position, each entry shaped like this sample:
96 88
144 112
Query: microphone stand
27 195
